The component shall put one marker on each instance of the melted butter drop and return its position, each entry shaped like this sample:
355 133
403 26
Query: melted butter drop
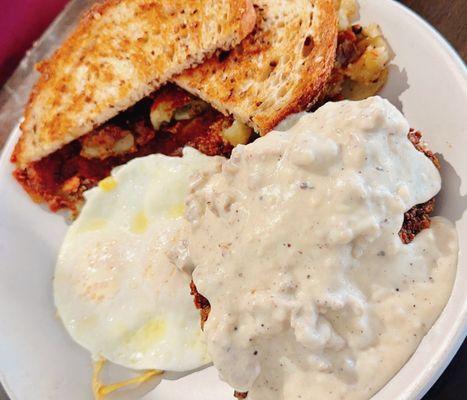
140 223
177 210
108 184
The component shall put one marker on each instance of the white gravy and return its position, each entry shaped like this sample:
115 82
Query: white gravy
295 244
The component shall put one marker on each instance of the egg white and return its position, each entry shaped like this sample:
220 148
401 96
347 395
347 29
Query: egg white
115 289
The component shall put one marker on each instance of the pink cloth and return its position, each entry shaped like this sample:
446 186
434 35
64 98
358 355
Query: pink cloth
21 23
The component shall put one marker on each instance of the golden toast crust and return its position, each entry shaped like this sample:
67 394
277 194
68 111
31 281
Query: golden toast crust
120 52
280 68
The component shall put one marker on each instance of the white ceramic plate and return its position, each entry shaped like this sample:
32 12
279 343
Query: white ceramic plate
39 361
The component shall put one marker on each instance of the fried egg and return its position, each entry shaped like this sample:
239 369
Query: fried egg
115 289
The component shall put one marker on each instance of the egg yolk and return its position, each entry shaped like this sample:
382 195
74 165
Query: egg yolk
93 225
108 184
140 223
177 210
152 331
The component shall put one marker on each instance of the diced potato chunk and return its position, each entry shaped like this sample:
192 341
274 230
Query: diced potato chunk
190 110
162 112
175 104
353 90
347 11
71 185
369 66
369 73
237 133
109 141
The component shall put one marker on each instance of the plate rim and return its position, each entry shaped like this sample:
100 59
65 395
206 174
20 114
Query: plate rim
428 376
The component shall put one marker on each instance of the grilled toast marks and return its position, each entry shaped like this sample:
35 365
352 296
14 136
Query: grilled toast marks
120 52
280 68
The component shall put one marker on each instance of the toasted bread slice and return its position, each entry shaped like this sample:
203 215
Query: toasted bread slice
280 68
120 52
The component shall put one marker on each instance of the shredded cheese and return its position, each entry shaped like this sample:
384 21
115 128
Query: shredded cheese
101 390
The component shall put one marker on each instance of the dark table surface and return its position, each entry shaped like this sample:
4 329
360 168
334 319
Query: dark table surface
449 17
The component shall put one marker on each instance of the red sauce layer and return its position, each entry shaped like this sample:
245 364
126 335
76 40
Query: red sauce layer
61 178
